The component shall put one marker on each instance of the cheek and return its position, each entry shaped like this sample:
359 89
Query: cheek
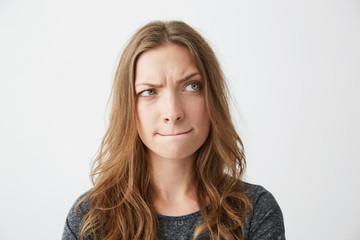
199 110
140 118
144 118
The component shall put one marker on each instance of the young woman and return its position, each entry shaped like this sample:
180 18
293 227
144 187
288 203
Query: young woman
171 163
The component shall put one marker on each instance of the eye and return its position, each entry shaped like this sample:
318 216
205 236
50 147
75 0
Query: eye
193 87
148 92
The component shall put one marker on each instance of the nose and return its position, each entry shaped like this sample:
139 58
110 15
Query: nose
173 111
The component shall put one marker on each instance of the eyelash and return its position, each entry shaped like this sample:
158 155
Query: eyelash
198 86
154 91
147 90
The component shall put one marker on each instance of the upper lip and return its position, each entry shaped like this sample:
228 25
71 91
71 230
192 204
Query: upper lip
175 134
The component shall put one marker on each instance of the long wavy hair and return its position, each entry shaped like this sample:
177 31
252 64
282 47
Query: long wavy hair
120 205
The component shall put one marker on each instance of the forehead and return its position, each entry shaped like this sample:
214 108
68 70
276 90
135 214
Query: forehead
166 61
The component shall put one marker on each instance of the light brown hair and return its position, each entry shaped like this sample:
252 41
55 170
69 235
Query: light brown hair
120 201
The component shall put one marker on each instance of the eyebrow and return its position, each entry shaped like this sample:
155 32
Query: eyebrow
187 77
178 81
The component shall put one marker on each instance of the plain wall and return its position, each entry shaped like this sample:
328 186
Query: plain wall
292 68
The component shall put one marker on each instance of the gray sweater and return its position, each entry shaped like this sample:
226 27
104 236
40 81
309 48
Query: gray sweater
265 222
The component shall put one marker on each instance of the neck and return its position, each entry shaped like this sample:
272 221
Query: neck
173 185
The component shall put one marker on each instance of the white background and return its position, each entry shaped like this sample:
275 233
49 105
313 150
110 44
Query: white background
293 68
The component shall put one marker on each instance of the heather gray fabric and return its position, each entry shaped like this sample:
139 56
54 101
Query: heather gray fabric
265 222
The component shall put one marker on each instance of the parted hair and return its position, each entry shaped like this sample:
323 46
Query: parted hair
120 204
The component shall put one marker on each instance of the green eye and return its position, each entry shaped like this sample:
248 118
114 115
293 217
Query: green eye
195 86
148 92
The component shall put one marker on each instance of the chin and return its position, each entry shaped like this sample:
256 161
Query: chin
178 153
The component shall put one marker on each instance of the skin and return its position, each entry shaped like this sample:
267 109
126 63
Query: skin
173 123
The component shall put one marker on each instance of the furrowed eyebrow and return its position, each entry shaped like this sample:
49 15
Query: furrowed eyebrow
187 77
152 85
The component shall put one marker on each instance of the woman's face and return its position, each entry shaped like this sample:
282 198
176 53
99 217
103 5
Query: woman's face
171 115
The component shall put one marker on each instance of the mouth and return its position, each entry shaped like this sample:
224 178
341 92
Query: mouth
175 134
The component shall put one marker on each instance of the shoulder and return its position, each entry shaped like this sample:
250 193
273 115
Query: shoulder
74 218
264 219
259 196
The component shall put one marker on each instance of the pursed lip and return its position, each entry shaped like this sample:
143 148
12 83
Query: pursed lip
175 134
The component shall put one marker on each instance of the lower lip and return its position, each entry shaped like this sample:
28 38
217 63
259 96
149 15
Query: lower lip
176 135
